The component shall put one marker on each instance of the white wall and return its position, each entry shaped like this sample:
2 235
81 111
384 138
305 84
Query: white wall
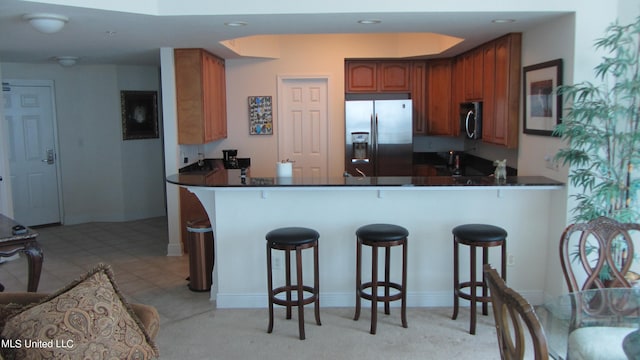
103 177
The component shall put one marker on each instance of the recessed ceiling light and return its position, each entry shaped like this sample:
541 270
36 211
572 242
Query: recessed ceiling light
236 23
369 21
66 61
502 21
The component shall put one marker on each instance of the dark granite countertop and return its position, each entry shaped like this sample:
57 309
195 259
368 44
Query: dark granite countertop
231 178
213 174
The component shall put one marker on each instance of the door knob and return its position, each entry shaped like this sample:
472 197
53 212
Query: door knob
50 157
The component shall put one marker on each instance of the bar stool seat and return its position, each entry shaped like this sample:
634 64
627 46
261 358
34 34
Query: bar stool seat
377 236
293 239
476 235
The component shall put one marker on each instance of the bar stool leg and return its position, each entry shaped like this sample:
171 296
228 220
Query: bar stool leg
403 311
472 329
504 260
387 260
456 279
270 289
485 290
374 289
300 292
287 265
316 284
358 277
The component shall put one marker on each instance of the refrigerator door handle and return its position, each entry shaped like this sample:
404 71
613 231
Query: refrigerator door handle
375 142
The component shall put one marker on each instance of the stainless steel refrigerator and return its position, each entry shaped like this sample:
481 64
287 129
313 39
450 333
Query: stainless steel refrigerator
379 137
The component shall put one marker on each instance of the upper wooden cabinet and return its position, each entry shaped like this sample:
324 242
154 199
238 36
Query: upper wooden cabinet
440 115
364 76
200 96
503 59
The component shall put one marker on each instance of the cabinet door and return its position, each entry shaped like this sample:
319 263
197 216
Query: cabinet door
419 97
216 93
209 97
200 96
507 90
190 111
394 76
473 74
457 91
439 98
488 104
361 76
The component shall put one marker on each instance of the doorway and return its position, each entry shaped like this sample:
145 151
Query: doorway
303 128
32 143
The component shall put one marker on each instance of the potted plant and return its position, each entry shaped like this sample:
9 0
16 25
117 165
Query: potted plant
602 129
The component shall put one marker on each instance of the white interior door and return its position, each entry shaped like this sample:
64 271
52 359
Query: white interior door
29 112
303 125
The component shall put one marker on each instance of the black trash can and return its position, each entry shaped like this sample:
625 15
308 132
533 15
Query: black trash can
201 254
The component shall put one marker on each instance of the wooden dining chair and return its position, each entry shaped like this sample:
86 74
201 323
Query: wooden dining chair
603 248
511 311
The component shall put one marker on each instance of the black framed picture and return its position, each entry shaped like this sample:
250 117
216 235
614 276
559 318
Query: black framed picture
542 103
139 114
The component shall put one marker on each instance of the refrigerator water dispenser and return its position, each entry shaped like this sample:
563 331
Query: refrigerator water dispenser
360 143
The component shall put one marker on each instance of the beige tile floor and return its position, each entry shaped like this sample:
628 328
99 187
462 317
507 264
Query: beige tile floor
135 250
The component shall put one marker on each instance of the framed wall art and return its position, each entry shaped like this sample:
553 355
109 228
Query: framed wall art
139 114
260 115
542 103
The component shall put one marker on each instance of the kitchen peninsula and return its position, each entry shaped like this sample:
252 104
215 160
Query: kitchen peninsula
242 211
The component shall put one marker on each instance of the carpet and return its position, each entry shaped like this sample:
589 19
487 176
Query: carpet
241 334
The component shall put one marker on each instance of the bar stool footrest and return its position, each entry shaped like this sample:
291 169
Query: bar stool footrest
293 289
381 298
467 296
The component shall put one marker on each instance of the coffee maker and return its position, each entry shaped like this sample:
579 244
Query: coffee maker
230 158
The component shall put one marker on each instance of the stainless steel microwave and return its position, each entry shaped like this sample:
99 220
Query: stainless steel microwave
471 120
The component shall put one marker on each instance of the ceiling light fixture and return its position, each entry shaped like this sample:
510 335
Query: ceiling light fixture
46 23
66 61
236 23
369 21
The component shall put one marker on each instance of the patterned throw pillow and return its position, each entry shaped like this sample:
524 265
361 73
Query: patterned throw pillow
88 319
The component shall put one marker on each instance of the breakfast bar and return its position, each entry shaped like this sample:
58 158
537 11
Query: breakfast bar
242 209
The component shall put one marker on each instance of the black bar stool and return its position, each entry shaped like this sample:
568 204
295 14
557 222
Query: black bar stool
293 239
476 235
376 236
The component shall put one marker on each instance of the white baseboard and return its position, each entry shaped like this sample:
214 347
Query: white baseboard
414 299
